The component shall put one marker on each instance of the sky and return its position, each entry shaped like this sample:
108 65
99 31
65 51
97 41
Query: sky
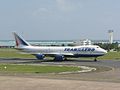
59 19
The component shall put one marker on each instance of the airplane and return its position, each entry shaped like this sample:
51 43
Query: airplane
59 53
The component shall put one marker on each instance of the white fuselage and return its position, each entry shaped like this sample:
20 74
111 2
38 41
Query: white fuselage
78 51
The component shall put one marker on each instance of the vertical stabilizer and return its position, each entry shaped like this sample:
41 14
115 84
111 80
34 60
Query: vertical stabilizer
20 41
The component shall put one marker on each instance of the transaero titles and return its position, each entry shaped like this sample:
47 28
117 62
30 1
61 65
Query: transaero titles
79 49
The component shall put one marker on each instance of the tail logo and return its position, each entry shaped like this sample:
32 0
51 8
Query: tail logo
20 41
17 41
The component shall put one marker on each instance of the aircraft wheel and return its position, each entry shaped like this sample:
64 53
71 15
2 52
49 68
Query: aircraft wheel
95 59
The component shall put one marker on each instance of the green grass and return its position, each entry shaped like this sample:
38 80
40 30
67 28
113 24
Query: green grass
12 68
111 55
13 53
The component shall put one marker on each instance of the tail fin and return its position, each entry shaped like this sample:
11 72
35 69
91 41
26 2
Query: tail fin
20 41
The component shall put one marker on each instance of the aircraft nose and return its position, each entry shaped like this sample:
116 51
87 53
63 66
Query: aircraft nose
104 51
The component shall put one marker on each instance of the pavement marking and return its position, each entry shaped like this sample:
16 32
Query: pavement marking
84 69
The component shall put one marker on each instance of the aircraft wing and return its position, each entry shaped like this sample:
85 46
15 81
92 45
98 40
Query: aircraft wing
64 54
49 54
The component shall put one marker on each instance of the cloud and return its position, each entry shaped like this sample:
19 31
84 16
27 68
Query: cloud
41 12
64 5
69 5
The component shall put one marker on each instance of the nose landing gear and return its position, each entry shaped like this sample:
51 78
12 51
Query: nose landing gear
95 59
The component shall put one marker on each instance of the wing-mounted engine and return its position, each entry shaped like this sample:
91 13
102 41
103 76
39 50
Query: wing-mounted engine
40 56
59 58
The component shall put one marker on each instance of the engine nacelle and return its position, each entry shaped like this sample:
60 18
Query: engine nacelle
59 57
40 56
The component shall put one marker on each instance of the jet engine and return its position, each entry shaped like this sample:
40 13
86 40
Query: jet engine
59 58
40 56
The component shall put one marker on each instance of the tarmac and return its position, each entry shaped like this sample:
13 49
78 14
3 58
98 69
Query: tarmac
21 83
106 77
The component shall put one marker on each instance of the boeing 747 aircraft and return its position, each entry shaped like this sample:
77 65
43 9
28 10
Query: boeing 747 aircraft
59 53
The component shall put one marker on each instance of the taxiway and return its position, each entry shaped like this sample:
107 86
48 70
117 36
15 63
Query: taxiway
107 76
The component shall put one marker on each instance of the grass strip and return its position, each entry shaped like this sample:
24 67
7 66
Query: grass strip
13 68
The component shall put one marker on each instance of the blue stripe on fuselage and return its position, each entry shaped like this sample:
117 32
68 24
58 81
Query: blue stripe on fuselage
84 55
88 55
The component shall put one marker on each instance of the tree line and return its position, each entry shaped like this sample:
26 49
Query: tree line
109 47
